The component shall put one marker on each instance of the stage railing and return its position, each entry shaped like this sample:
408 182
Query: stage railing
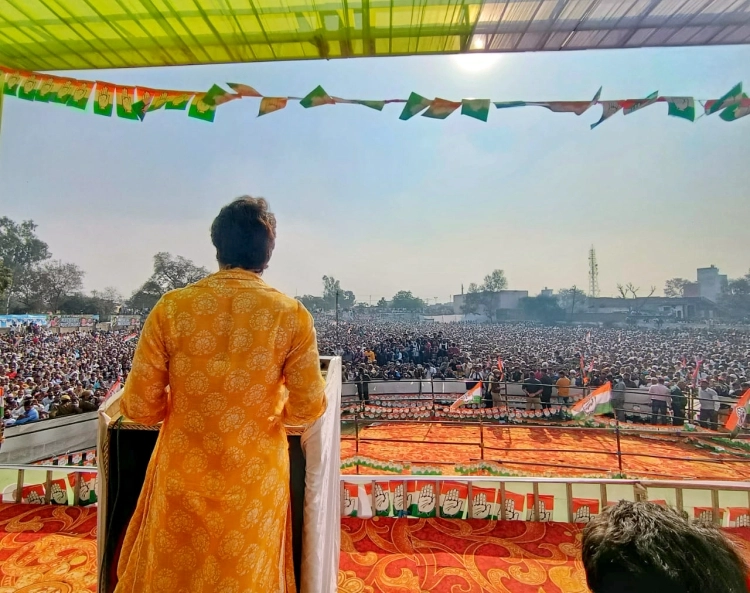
572 500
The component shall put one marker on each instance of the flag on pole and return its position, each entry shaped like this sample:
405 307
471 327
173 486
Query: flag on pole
739 414
114 389
596 402
473 396
500 364
696 372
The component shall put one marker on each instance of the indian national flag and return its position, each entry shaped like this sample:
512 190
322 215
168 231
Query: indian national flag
473 396
739 414
129 337
596 402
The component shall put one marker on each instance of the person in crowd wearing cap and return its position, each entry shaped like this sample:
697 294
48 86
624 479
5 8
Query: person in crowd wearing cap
659 400
709 406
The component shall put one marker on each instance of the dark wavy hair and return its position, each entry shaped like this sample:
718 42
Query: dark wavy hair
244 234
646 548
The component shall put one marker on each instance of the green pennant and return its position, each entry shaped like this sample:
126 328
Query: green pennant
178 100
28 86
737 111
243 90
376 105
79 98
476 108
507 104
683 107
200 109
47 89
13 79
316 97
729 99
609 108
441 108
104 98
64 90
124 100
414 105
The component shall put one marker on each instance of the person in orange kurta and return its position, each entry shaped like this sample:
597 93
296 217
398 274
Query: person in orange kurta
213 361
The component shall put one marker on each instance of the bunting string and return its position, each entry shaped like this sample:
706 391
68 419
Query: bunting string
135 102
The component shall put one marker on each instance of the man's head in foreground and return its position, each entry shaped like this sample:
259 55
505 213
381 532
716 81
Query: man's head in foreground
642 547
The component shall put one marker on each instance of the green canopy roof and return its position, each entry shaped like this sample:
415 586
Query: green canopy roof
83 34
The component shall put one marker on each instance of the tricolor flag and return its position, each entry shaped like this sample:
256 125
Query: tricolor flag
596 402
500 364
132 336
696 372
739 414
473 396
114 389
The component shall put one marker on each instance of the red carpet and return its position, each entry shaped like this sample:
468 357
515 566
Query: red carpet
47 549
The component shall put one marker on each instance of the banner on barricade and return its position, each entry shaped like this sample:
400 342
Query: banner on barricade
125 321
17 320
68 321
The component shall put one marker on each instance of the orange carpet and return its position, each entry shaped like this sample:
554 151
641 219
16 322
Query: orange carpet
543 451
384 555
47 549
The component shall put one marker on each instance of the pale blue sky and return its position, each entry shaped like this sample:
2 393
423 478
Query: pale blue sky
385 205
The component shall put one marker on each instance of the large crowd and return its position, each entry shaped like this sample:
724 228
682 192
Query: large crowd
44 374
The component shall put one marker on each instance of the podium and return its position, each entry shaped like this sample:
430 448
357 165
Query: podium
124 451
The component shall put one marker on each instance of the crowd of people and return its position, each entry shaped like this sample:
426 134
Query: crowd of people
668 364
44 374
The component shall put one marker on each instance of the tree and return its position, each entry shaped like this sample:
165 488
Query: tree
106 302
735 298
5 277
404 299
20 250
57 280
542 308
675 287
312 303
382 303
572 300
495 281
170 272
473 288
332 287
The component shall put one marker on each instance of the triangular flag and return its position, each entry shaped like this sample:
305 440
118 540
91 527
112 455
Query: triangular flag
476 108
730 113
633 106
124 101
683 107
218 96
729 99
441 108
81 93
243 90
376 105
104 98
316 98
271 104
577 107
27 88
609 108
414 104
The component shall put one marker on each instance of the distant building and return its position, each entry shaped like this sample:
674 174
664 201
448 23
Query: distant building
676 308
710 283
502 302
547 292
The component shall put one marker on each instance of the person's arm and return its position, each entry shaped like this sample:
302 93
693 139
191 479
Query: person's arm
307 398
144 397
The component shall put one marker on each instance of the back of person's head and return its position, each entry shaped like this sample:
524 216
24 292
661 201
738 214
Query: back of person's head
642 547
244 234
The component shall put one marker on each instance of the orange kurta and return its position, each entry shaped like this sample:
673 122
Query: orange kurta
212 513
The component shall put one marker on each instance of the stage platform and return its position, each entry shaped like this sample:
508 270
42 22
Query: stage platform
52 549
551 451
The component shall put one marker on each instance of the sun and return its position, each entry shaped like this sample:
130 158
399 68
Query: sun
476 62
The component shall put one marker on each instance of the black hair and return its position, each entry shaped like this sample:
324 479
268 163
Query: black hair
646 548
244 234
